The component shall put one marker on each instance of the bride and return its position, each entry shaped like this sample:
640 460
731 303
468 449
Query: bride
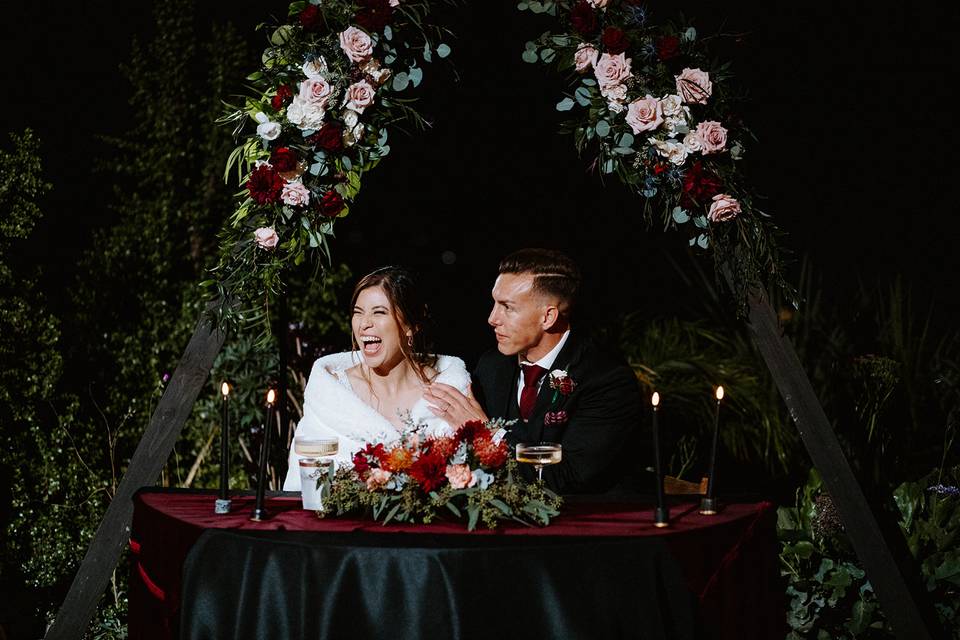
371 393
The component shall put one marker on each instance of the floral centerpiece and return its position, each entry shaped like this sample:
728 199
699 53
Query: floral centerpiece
330 91
648 105
468 475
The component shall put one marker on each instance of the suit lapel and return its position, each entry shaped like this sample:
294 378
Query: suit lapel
567 358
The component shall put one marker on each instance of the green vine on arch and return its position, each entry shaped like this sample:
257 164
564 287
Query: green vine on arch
334 85
649 105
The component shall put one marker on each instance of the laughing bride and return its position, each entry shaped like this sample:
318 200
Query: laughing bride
370 394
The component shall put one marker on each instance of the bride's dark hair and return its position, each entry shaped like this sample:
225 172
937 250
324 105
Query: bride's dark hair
411 312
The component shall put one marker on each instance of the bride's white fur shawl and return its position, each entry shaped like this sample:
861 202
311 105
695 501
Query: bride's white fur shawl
332 410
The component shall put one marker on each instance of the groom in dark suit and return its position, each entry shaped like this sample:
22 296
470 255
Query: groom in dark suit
551 378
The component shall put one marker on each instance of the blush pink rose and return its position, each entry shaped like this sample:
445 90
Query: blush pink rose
612 70
359 96
266 237
460 476
644 114
712 137
723 208
693 85
356 44
315 91
377 478
295 194
585 57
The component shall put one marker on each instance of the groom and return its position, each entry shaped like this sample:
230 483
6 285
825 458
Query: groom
550 377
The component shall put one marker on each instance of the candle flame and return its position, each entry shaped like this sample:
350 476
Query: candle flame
225 389
719 393
655 400
271 396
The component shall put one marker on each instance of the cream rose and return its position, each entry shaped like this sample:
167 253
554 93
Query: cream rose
265 128
356 44
644 114
713 137
460 476
694 85
724 208
585 57
316 68
612 70
377 478
616 96
671 105
350 118
295 194
359 96
306 115
266 237
692 142
673 151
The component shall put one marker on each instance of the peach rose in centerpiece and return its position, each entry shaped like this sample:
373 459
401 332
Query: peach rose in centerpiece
377 478
356 44
612 70
712 136
460 476
585 57
644 114
724 207
266 237
694 85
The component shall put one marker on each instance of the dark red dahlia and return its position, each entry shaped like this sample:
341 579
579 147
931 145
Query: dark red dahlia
374 15
331 204
283 97
583 18
469 430
284 159
429 471
329 137
667 47
311 19
614 40
699 186
265 185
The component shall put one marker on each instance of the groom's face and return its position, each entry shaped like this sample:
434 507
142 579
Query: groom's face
518 312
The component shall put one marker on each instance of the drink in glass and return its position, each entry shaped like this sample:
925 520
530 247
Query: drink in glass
539 455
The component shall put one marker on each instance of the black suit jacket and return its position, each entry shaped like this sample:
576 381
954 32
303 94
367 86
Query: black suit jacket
603 414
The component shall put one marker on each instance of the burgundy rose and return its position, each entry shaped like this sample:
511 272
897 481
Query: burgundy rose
283 97
374 15
429 471
583 18
614 40
284 159
265 185
331 204
329 137
667 47
699 186
311 19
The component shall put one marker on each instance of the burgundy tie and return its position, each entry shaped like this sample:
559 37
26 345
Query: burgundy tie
528 397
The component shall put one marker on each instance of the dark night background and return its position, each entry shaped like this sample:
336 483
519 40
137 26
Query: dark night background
850 106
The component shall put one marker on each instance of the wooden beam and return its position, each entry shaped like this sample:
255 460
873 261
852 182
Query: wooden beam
154 449
897 585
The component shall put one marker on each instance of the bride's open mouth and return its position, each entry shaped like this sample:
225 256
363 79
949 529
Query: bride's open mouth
370 344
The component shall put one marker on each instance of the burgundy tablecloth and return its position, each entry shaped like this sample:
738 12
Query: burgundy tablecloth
729 560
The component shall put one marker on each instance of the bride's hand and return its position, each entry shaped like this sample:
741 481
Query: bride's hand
448 403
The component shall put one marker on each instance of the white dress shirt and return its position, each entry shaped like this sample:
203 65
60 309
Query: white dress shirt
546 362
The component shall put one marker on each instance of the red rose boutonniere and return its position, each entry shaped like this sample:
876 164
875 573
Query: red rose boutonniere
561 383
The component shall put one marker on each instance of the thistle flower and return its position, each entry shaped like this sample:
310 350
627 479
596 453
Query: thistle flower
826 519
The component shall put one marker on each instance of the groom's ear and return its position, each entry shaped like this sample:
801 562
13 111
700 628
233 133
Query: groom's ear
550 316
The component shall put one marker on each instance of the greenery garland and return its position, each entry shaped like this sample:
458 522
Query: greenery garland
329 93
648 105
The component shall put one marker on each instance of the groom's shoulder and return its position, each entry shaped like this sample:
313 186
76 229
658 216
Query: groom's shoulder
491 360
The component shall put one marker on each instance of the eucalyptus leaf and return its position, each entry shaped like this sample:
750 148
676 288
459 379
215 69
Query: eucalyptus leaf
536 6
474 515
443 50
503 506
582 95
623 151
453 508
625 140
603 128
703 241
530 46
401 81
522 6
388 32
700 221
416 75
530 56
565 105
346 163
547 54
389 58
690 34
680 216
590 82
427 54
608 166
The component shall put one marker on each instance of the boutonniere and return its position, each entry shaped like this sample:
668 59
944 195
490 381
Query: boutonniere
561 383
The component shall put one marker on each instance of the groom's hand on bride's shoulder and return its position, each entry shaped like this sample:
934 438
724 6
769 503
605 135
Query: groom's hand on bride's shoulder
453 406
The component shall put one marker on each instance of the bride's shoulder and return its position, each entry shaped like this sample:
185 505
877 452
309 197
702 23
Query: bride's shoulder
451 370
334 364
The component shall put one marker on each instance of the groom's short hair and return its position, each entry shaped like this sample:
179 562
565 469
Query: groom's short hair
556 274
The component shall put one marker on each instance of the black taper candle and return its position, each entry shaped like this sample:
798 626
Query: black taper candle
222 504
661 516
708 504
259 511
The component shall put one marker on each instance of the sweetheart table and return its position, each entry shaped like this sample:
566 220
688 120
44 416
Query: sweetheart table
601 570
